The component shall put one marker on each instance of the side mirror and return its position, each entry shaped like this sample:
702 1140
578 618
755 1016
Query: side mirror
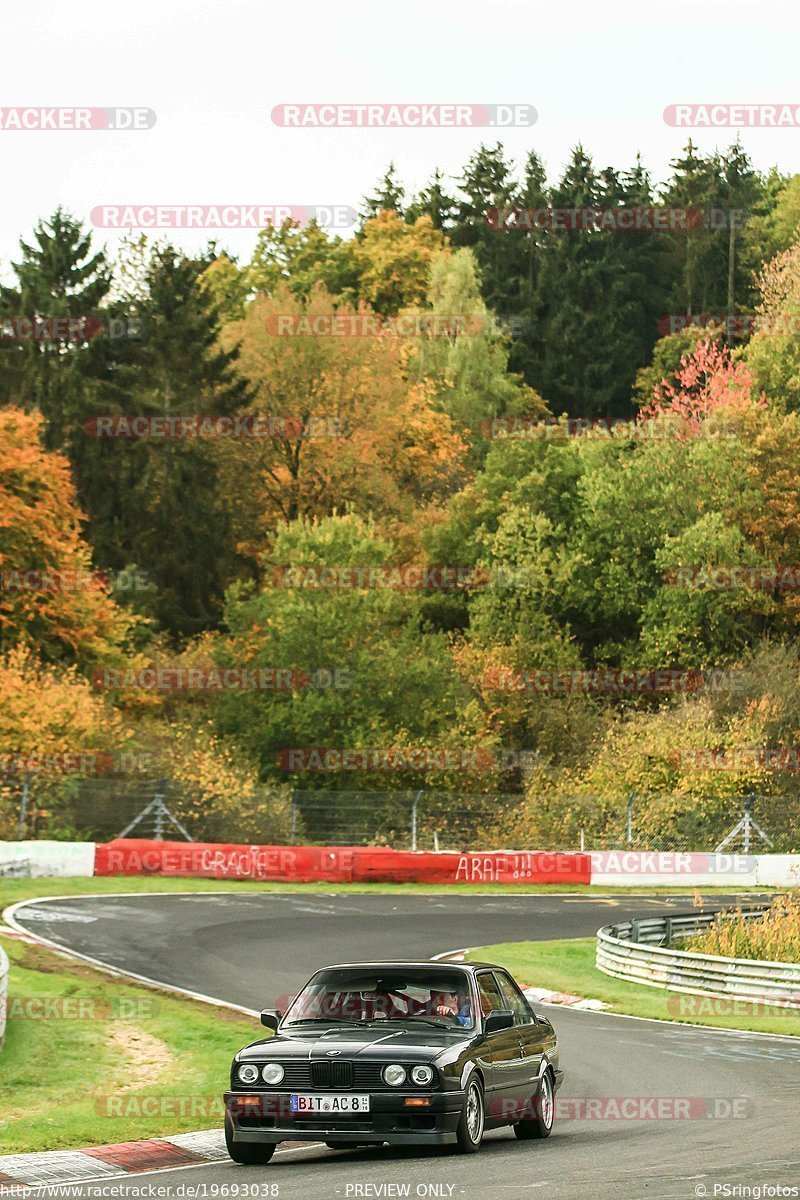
270 1018
500 1018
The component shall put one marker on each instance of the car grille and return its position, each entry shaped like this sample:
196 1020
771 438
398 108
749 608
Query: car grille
334 1075
327 1074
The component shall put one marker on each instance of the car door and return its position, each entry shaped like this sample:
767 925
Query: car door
531 1035
504 1054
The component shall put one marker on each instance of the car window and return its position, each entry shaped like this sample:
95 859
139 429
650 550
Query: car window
513 999
489 992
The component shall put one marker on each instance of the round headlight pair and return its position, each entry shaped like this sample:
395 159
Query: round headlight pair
271 1073
395 1075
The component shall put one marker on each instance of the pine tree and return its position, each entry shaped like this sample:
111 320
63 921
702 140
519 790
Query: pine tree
389 197
434 202
58 276
156 502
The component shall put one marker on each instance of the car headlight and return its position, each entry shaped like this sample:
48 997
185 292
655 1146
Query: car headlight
248 1073
272 1073
422 1075
394 1074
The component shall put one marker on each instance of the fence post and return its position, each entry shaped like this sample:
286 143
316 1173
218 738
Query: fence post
629 824
583 841
158 832
23 810
293 834
414 821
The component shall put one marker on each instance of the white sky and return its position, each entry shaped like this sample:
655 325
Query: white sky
601 73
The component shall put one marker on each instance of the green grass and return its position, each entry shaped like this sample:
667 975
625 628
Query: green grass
14 890
567 965
59 1064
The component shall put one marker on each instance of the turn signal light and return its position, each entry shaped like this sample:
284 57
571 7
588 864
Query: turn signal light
417 1101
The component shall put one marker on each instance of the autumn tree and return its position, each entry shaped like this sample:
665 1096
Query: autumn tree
51 596
341 425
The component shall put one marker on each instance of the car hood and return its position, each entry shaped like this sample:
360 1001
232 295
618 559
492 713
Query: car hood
371 1042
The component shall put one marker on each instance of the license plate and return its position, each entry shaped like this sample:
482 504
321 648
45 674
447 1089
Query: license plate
329 1104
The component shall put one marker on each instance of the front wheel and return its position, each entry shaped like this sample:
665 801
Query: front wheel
249 1154
542 1107
469 1133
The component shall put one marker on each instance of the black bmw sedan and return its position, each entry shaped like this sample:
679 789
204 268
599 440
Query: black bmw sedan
416 1052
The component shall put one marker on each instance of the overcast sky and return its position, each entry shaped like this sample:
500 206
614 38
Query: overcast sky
599 73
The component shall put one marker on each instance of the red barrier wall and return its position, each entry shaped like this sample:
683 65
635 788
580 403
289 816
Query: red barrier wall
336 864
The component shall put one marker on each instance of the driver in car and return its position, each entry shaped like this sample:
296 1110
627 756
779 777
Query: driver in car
448 1004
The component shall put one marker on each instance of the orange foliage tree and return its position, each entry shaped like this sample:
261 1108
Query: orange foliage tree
50 595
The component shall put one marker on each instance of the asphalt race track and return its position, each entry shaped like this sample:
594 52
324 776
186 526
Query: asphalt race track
250 949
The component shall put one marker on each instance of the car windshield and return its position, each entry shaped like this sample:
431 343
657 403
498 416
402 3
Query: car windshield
430 996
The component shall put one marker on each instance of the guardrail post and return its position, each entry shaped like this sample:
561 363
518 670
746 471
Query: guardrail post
667 930
414 821
634 931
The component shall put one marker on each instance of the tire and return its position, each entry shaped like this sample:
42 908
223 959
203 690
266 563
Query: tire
249 1154
543 1106
469 1133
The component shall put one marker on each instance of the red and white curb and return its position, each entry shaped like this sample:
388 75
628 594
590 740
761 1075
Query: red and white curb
96 1164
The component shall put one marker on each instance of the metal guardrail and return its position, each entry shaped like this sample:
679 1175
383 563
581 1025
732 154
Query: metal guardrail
3 993
640 952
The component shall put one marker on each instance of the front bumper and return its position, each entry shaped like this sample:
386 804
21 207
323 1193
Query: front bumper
265 1117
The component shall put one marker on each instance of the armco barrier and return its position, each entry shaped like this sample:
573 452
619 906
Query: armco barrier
3 994
45 860
636 951
349 864
335 864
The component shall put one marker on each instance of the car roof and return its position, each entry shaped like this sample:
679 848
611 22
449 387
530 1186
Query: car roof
427 964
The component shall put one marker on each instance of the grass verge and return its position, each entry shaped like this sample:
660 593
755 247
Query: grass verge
88 1060
567 965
